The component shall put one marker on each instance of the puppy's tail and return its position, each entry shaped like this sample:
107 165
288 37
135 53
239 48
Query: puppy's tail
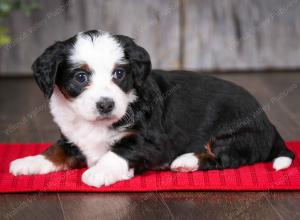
281 155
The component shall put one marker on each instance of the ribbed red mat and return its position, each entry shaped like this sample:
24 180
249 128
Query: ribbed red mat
256 177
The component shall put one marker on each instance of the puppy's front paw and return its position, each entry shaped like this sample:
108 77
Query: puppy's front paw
110 169
31 165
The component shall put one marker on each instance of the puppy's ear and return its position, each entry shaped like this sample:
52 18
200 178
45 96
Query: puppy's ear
45 67
138 57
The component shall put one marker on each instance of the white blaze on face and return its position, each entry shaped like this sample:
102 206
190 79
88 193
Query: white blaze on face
101 54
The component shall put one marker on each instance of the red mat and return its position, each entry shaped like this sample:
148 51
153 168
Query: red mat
260 176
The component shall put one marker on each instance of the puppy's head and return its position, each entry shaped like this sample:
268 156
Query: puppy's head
96 72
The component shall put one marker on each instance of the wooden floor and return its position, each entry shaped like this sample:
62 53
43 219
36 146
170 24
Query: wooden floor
25 113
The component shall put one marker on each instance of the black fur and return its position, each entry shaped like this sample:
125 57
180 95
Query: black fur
128 82
176 112
46 66
200 108
138 58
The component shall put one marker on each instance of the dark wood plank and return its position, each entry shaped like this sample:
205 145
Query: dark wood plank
114 206
285 204
24 113
179 205
254 83
30 206
219 205
286 90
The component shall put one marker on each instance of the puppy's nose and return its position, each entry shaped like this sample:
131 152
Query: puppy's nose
105 105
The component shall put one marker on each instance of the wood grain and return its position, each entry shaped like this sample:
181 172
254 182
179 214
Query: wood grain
241 34
194 34
153 24
259 85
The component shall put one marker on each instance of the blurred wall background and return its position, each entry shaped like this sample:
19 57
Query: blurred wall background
208 35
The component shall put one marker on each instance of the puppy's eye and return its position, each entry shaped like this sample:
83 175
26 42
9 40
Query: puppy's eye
119 74
82 77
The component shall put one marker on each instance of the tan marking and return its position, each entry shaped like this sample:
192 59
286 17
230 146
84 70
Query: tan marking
204 158
58 157
64 92
209 146
129 133
86 68
208 155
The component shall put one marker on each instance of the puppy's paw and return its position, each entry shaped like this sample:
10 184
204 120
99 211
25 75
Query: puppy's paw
97 176
32 165
185 163
110 169
280 163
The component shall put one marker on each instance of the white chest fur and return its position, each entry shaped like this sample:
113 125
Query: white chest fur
93 138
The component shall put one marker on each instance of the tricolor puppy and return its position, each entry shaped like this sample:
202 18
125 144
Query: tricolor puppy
119 117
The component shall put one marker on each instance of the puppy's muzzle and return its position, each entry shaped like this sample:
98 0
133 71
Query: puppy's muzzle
105 105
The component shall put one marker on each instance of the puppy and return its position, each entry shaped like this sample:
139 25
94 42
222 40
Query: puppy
120 118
